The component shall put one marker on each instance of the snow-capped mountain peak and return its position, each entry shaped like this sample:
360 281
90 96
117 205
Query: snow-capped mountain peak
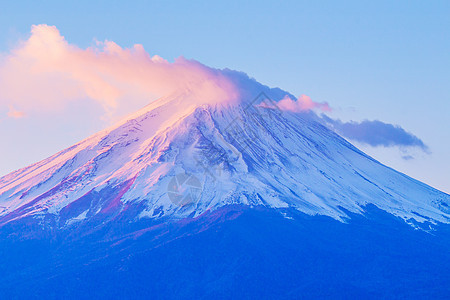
178 157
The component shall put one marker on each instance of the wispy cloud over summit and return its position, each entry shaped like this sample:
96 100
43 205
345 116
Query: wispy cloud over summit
45 72
302 103
13 113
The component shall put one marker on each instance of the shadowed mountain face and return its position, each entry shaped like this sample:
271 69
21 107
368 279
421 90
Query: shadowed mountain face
186 200
234 251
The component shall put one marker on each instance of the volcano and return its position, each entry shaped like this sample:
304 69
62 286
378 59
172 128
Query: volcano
237 199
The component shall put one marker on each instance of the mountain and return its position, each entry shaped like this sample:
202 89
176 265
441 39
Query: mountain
239 154
186 199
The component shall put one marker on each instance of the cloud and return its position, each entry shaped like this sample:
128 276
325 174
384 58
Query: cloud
303 103
46 73
376 133
407 157
13 113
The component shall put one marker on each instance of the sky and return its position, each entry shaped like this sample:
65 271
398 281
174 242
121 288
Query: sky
381 66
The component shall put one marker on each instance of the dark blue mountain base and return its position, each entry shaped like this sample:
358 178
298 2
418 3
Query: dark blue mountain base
234 252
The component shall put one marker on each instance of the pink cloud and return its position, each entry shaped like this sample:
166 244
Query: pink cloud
303 103
46 73
13 113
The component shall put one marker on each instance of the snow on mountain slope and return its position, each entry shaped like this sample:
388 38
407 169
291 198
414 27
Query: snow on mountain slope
237 153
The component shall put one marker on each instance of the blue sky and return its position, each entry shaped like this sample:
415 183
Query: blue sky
375 60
